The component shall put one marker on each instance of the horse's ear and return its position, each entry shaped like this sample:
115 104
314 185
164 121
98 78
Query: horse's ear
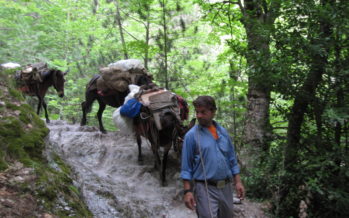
192 123
65 72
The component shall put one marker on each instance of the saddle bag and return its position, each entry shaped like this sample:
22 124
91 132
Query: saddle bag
131 108
119 75
32 73
116 79
161 101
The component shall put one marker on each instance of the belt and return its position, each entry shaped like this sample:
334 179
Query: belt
216 183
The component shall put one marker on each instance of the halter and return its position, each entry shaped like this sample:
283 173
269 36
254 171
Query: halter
54 78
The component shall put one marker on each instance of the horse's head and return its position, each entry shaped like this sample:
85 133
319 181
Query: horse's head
182 130
144 80
58 81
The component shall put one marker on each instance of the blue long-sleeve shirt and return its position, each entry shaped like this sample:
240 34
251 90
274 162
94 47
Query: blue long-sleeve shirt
218 154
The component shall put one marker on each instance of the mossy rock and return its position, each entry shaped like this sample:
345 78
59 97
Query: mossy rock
22 138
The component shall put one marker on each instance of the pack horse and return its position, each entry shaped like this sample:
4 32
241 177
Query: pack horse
35 79
160 121
110 87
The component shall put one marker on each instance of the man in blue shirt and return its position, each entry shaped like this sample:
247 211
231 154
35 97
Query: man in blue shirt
209 161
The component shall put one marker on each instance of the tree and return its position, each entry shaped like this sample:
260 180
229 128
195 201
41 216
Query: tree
257 17
311 36
119 23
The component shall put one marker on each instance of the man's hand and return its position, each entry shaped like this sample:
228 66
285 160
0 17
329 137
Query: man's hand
239 187
189 201
240 190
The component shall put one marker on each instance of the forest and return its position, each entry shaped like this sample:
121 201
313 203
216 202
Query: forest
278 70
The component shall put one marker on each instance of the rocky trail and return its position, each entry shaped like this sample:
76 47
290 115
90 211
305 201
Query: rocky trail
112 182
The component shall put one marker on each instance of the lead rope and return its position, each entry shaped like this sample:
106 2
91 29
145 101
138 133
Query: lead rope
204 170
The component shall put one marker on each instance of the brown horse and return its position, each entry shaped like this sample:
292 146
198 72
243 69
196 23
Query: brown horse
113 99
169 136
52 77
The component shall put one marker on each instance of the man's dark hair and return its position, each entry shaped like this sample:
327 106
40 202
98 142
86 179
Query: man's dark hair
205 101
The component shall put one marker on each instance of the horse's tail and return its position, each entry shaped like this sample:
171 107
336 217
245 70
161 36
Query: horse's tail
86 107
168 119
91 85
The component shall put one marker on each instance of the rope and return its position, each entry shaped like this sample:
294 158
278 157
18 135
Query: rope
204 170
147 134
144 117
174 141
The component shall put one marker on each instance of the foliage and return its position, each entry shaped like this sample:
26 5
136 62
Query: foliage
309 39
208 52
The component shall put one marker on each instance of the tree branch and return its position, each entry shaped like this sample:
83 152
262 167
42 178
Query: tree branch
130 34
136 19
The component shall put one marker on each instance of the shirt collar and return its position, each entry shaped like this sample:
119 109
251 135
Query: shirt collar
214 123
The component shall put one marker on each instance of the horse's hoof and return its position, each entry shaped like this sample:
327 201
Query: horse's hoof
164 184
140 161
104 131
47 121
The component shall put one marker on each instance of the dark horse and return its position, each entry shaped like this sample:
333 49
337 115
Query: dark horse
52 77
169 136
113 99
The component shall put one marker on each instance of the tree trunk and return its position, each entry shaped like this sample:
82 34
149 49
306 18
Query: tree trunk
147 38
257 128
118 21
164 25
304 97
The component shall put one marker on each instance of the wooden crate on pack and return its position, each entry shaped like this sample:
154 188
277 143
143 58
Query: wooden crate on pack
160 102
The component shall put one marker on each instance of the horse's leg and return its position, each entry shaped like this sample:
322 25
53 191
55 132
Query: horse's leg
86 106
83 119
99 116
157 163
164 165
154 142
39 105
139 143
45 108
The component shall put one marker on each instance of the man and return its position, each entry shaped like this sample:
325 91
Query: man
209 162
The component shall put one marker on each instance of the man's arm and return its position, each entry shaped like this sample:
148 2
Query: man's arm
186 170
188 195
239 187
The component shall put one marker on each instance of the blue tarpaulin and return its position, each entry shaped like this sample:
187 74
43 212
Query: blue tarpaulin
131 108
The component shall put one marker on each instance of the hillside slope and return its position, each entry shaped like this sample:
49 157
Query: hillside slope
30 186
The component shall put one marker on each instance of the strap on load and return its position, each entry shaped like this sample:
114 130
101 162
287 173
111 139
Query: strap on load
160 102
33 73
119 75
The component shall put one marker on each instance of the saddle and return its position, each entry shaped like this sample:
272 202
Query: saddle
160 102
34 73
30 76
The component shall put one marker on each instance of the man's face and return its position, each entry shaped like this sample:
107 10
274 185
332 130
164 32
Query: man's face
204 116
